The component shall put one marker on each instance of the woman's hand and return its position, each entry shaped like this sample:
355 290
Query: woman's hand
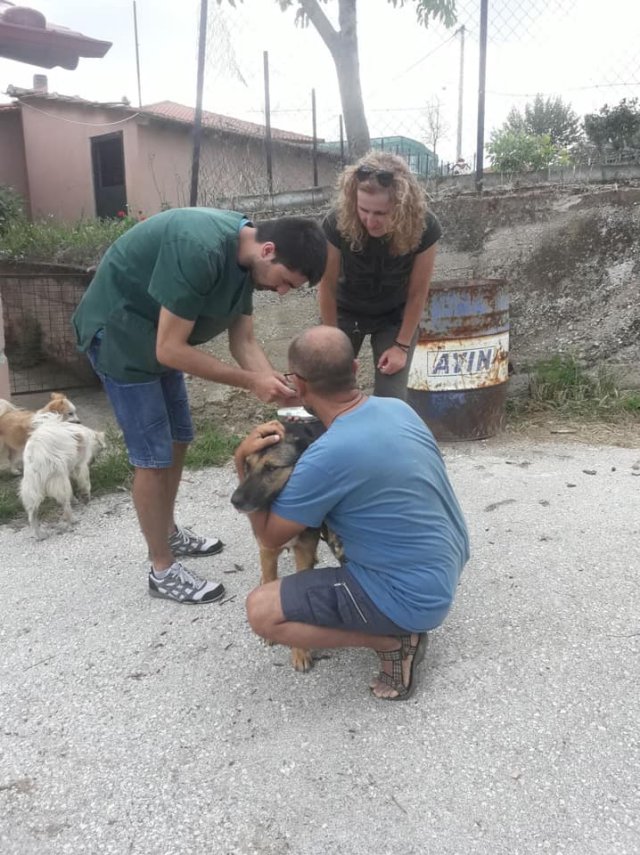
392 360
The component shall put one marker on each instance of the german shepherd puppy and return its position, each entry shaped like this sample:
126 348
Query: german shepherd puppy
266 473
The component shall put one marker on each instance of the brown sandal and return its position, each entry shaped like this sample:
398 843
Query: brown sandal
397 657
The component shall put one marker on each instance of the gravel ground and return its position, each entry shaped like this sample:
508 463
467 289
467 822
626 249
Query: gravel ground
134 725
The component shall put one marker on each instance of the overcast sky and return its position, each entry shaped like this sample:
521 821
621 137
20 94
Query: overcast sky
583 50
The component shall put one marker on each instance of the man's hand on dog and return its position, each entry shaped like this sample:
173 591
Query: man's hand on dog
260 437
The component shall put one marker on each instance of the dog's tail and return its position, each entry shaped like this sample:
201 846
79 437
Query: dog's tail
6 407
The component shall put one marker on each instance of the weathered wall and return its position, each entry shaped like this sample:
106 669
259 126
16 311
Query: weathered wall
13 167
229 165
56 175
572 260
58 155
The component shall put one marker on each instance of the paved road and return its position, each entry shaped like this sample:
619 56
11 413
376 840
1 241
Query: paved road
132 725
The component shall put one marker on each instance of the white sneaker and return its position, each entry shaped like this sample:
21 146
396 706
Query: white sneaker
185 542
183 586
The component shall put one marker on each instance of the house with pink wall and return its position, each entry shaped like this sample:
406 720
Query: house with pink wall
72 158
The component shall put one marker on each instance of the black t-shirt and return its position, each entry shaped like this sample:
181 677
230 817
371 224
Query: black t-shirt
373 283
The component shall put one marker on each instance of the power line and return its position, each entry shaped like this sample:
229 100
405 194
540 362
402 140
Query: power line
415 64
84 124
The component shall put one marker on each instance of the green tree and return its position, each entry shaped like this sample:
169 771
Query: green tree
550 116
516 151
343 46
614 127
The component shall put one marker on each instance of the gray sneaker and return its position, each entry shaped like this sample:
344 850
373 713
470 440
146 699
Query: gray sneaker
184 542
183 586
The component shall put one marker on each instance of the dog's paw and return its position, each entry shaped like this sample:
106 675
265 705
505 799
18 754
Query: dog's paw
301 659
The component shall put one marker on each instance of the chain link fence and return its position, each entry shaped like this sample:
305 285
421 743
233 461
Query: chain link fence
550 65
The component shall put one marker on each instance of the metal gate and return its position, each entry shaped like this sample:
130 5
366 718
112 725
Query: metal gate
39 340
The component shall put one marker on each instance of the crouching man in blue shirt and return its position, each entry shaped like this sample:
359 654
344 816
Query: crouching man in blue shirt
378 480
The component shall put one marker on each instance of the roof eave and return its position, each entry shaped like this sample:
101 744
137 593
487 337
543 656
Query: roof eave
48 48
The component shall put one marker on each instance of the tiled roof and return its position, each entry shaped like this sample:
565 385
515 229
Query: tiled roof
171 112
186 115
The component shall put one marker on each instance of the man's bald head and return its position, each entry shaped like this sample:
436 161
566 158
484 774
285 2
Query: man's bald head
323 356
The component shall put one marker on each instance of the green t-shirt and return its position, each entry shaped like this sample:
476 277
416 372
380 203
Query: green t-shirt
185 260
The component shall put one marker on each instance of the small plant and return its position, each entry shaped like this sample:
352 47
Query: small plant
111 469
10 505
558 380
631 403
560 384
82 243
210 447
11 208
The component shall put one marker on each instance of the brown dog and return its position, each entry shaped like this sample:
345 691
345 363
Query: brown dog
16 425
266 473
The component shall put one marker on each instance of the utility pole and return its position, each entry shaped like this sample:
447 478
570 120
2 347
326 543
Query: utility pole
267 121
460 94
135 30
197 120
482 81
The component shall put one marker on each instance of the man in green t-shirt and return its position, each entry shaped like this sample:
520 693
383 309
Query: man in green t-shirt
174 281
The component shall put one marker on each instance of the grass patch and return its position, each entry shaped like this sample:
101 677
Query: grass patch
561 385
211 447
111 470
10 505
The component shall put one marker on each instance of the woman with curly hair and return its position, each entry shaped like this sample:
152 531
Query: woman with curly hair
382 246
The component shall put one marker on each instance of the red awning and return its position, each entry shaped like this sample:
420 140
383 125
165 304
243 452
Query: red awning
26 36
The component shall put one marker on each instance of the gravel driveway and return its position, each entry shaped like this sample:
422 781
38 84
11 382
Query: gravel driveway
133 725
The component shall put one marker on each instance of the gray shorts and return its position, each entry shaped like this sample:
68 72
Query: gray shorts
331 597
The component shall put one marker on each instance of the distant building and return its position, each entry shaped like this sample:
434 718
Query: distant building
73 158
420 159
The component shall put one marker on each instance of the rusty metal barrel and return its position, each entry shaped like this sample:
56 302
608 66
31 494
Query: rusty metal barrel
460 368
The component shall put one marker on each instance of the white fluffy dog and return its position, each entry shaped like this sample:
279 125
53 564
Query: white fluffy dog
57 453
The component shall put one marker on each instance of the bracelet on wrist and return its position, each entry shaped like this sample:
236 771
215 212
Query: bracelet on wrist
404 347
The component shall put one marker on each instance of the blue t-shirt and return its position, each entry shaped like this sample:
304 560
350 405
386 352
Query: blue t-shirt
379 481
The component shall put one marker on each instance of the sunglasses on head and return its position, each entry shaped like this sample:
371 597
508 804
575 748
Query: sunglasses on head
384 177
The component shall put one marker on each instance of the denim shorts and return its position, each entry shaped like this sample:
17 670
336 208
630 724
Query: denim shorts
152 416
331 597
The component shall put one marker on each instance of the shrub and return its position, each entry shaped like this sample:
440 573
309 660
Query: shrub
11 208
82 243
